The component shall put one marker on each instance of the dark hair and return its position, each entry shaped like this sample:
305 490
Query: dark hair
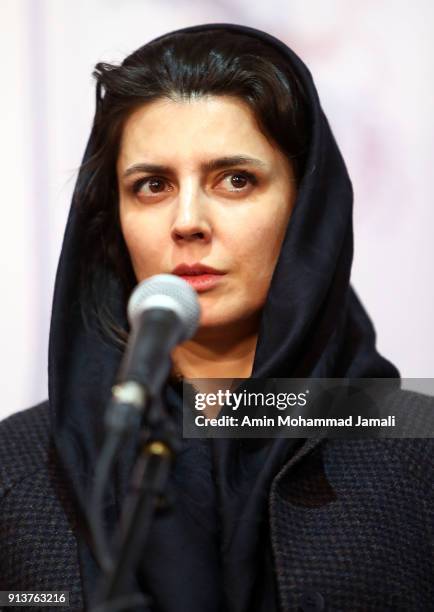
176 66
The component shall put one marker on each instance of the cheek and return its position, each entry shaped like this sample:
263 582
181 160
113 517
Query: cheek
257 246
143 243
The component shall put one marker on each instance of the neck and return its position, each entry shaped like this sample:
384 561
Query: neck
216 353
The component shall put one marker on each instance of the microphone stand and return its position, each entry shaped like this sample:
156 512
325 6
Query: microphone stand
148 494
162 311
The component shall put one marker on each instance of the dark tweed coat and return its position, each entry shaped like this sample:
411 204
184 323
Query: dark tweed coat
351 522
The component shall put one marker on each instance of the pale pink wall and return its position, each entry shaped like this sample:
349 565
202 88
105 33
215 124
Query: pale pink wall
373 63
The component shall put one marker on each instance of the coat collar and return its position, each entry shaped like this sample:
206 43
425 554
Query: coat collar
309 445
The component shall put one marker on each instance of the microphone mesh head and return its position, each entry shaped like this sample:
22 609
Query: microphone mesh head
170 292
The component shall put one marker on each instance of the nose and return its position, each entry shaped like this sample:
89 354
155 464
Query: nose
191 221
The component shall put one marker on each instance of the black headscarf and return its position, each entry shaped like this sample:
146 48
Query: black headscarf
212 551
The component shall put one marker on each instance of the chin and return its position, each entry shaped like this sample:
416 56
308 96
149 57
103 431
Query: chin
212 323
222 327
209 322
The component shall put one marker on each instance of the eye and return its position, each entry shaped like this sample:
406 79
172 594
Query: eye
150 185
238 181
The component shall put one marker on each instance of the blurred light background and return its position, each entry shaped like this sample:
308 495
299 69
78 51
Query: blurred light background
373 63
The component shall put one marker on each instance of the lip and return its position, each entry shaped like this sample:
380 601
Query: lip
195 269
200 277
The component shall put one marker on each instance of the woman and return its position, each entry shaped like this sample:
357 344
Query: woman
209 148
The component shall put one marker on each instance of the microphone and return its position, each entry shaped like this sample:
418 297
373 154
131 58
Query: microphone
163 311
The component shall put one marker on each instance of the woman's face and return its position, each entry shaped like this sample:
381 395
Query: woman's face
200 184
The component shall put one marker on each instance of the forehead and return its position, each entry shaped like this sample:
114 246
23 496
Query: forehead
193 129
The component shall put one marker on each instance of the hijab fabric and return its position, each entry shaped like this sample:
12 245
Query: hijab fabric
212 551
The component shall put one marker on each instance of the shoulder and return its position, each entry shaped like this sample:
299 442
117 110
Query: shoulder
385 475
402 459
38 520
415 454
361 508
24 445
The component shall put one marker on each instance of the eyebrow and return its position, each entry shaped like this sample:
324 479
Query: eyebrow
214 164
